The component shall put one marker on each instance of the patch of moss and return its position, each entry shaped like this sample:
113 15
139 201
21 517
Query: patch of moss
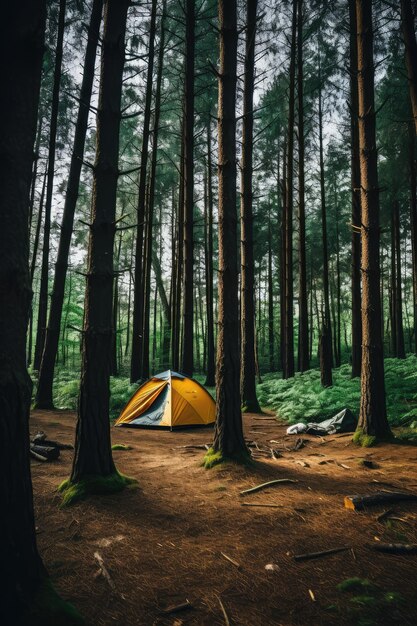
49 609
94 485
357 585
363 440
121 446
212 458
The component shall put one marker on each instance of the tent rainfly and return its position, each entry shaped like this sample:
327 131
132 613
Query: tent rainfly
169 400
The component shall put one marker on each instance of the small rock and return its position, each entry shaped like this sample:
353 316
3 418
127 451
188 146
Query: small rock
272 567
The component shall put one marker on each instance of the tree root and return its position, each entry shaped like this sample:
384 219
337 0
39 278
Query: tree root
94 485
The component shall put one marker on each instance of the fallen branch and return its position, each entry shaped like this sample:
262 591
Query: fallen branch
316 555
268 484
226 618
274 506
358 503
37 456
104 571
396 548
228 558
175 608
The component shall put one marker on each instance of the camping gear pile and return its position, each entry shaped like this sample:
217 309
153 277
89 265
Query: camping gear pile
343 422
43 449
169 400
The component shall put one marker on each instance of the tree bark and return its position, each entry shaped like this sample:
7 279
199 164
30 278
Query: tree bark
413 223
93 455
356 197
151 202
210 373
247 363
407 23
188 305
326 352
21 50
44 393
398 289
43 291
303 351
228 433
138 291
372 415
289 367
271 339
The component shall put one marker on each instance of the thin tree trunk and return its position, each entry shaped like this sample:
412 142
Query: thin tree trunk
356 197
43 290
138 292
326 358
210 373
93 454
393 291
303 351
179 256
407 23
283 255
271 342
21 49
398 290
151 202
247 363
289 367
372 416
413 222
228 433
44 396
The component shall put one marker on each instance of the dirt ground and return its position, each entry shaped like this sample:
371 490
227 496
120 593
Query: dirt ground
168 540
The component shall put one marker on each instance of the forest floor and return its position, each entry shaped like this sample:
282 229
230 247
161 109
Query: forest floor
168 540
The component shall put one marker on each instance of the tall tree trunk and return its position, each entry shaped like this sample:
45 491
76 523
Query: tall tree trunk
289 367
393 291
326 359
151 201
21 50
210 373
372 417
356 197
247 362
398 290
188 307
43 291
138 292
407 23
178 267
93 455
44 396
413 222
228 433
282 259
271 342
303 352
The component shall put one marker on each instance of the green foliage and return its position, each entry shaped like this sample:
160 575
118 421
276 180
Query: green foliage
94 485
302 398
357 585
66 390
48 608
121 446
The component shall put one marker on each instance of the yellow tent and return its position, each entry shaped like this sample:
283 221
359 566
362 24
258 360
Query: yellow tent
169 400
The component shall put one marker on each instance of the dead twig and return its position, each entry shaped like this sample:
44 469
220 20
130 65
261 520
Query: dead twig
175 608
316 555
229 558
268 484
226 618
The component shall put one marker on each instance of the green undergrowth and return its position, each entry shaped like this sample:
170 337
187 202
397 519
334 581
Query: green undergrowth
212 458
368 603
94 485
49 609
121 446
302 398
